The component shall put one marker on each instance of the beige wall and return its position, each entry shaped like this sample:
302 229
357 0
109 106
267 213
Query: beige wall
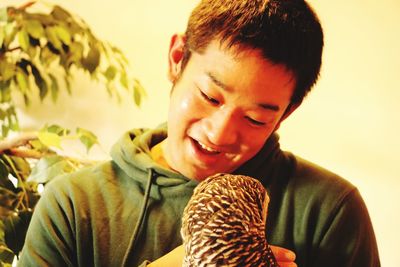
349 124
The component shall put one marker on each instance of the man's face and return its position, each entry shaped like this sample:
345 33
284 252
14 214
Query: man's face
223 108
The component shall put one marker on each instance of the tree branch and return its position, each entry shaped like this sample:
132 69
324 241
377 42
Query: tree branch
25 153
19 140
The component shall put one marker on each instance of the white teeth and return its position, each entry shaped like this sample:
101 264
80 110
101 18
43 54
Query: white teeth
207 148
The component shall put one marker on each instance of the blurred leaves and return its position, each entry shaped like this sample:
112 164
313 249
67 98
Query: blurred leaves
6 254
49 167
39 52
87 138
49 139
25 163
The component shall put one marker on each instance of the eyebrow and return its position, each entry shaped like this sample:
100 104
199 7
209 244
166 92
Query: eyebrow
216 81
219 83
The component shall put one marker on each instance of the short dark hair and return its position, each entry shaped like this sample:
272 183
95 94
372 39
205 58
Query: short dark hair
288 32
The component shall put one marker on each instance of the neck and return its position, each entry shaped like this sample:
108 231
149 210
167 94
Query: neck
157 153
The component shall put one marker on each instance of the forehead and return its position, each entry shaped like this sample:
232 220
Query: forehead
243 69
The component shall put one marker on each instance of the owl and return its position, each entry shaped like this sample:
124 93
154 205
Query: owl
223 224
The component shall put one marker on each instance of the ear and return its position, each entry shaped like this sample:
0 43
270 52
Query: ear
289 110
175 55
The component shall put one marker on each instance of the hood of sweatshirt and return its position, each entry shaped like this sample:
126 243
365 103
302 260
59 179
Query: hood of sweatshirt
132 154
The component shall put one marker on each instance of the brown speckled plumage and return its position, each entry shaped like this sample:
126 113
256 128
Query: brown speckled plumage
224 224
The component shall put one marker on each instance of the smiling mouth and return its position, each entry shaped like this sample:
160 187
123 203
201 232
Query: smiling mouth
205 149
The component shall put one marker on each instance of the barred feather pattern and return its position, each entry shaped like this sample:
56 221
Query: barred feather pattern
223 224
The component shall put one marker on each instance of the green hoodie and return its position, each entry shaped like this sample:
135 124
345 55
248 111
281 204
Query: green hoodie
128 210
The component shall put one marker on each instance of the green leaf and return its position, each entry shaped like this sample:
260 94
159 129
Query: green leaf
27 100
23 39
5 92
4 180
49 167
6 254
22 81
87 138
40 82
49 139
60 13
51 33
47 56
3 114
3 171
3 14
18 167
7 70
4 130
110 73
124 80
75 52
2 35
63 35
92 60
10 31
68 85
136 96
54 88
8 200
12 119
39 146
44 19
138 92
32 51
15 230
34 29
54 128
121 55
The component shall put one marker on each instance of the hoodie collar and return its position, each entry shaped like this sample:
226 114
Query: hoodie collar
266 164
132 154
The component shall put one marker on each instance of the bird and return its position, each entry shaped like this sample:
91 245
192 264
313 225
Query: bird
223 224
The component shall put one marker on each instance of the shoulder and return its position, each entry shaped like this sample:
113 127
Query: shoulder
321 191
83 182
82 193
319 205
308 175
86 175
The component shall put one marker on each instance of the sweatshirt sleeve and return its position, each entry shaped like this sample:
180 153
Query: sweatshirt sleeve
349 239
49 239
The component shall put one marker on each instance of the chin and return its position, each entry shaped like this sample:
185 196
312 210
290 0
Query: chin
200 176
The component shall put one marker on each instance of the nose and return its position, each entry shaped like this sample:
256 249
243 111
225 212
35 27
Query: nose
221 127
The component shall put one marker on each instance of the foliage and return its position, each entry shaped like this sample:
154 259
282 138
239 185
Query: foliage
42 46
27 162
39 52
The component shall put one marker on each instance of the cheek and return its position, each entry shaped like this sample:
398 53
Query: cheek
183 110
185 107
253 141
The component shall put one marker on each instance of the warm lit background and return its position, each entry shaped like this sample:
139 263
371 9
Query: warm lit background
349 124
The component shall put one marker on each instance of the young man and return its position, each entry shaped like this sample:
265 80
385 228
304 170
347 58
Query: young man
241 68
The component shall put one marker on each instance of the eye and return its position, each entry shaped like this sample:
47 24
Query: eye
255 122
209 99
